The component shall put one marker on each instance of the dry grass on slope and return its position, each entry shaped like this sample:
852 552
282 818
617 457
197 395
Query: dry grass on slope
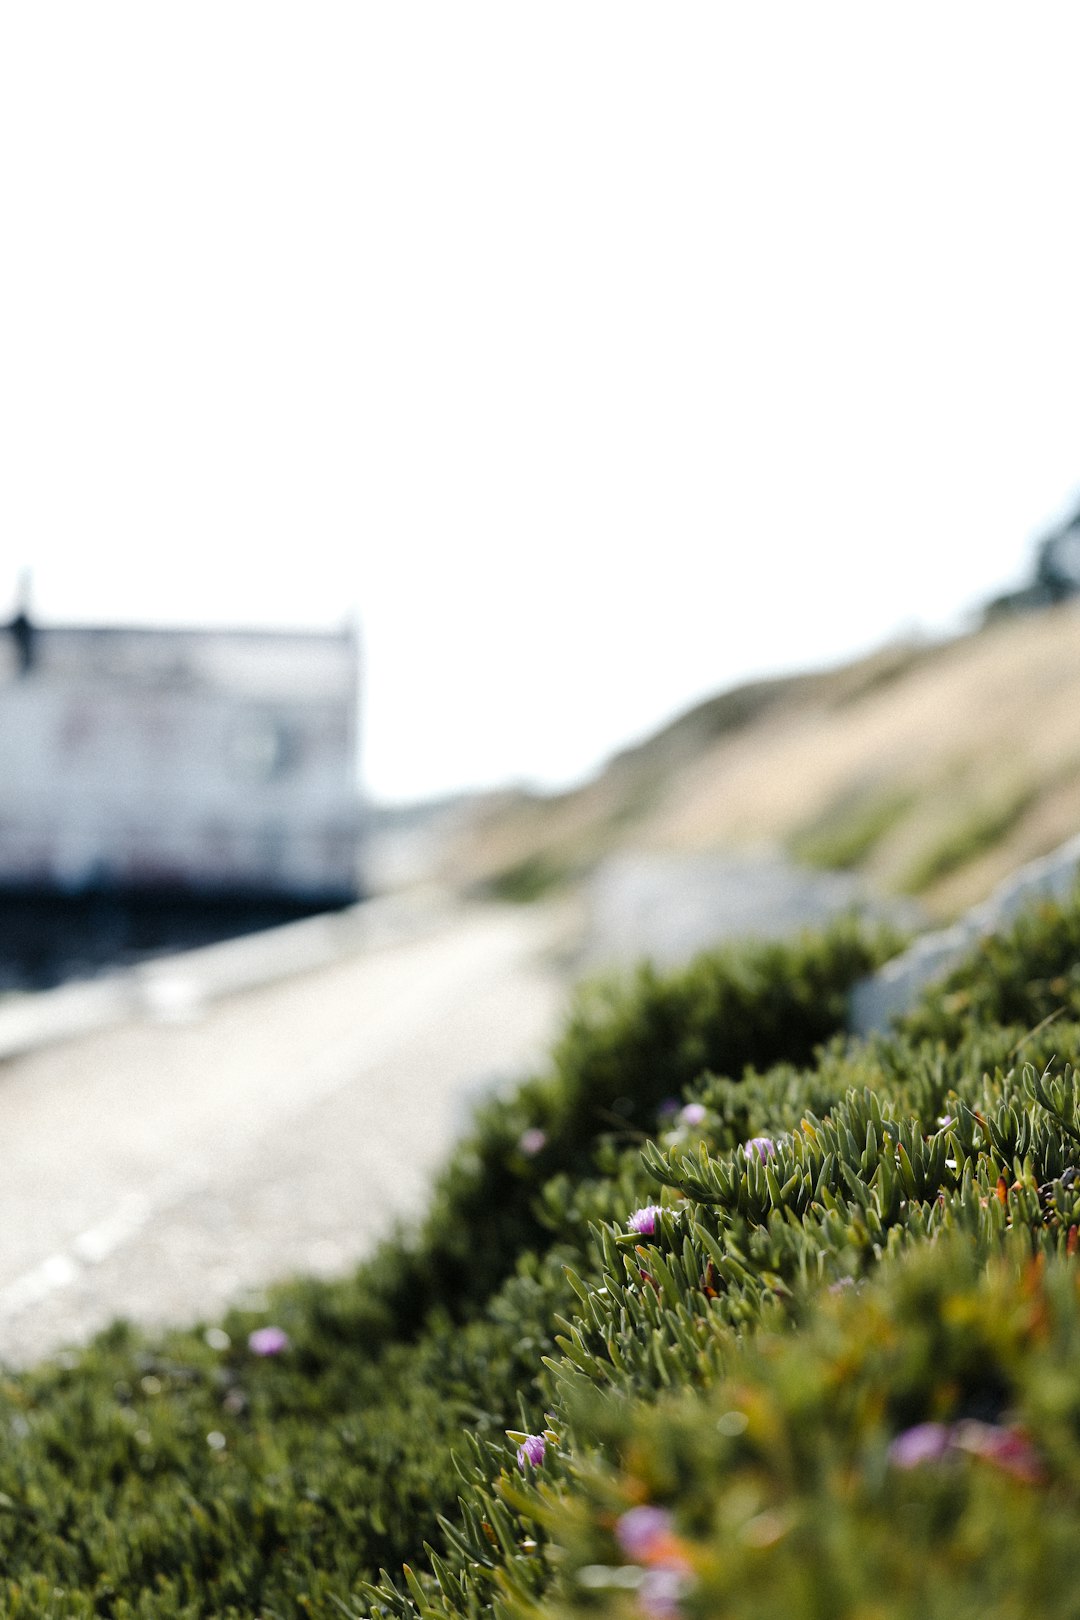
932 771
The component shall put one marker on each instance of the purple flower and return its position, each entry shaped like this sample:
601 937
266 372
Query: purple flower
659 1594
643 1221
668 1108
640 1529
763 1146
531 1451
1003 1446
532 1141
926 1442
268 1341
692 1114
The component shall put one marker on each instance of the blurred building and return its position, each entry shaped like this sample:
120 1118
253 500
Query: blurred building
202 762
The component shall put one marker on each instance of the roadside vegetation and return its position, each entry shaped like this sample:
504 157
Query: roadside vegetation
723 1314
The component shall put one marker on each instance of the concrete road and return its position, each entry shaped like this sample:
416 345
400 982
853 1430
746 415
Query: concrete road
204 1143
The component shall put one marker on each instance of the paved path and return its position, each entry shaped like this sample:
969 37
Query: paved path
162 1166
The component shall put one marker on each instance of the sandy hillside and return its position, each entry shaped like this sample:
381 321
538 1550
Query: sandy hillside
931 771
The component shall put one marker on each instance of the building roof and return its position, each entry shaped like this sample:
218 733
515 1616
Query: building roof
271 664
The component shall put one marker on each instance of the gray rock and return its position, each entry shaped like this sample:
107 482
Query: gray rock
668 907
875 1001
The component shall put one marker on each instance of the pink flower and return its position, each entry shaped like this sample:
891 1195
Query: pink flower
1006 1448
531 1451
641 1530
926 1442
692 1114
762 1146
268 1341
643 1221
532 1141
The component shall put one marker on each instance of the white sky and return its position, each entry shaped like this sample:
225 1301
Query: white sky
598 355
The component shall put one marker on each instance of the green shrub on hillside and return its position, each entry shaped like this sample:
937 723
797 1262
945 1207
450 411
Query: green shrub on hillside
912 1451
981 828
847 833
527 880
927 1150
743 1249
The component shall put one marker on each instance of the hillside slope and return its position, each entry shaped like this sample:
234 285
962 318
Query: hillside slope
931 771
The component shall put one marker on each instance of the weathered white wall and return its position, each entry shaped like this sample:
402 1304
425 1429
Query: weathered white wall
215 761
